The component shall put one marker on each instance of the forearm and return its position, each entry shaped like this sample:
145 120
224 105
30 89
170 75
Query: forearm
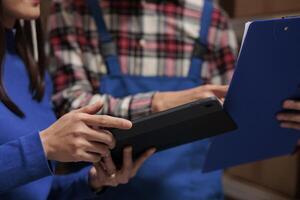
22 161
130 107
166 100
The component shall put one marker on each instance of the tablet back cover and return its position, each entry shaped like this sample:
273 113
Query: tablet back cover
267 73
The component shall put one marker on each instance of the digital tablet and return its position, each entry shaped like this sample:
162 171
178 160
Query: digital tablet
181 125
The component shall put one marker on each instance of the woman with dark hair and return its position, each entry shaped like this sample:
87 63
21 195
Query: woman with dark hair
26 144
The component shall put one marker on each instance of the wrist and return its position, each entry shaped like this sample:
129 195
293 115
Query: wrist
166 100
46 146
193 94
157 102
93 183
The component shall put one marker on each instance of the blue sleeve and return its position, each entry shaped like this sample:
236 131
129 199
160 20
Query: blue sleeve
22 161
72 186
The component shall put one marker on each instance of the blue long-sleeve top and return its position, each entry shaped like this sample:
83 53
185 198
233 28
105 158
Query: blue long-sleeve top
25 172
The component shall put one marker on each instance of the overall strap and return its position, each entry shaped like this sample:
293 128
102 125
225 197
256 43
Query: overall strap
200 47
108 47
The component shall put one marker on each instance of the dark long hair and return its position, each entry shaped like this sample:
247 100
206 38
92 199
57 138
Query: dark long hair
24 47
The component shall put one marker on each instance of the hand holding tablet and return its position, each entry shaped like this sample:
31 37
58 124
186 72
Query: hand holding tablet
181 125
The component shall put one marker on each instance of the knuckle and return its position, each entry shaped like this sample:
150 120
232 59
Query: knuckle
105 151
76 133
80 131
77 154
77 145
77 116
104 119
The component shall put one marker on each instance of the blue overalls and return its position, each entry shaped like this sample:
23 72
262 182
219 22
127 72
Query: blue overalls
171 174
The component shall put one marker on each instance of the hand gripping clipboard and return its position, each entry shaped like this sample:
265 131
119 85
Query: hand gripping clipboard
267 73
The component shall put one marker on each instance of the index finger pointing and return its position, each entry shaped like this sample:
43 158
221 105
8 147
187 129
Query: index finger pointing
106 121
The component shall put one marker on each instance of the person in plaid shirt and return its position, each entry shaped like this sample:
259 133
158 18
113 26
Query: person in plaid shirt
154 40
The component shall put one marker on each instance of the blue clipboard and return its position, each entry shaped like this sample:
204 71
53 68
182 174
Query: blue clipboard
267 73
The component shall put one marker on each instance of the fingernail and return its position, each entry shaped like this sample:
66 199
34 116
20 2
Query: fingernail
288 103
130 124
127 124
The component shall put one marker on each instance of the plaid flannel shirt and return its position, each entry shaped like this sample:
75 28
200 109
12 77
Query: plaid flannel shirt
154 38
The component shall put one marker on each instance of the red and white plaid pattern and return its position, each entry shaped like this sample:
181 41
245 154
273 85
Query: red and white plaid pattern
153 39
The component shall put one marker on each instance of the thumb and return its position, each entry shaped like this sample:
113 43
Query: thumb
91 109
